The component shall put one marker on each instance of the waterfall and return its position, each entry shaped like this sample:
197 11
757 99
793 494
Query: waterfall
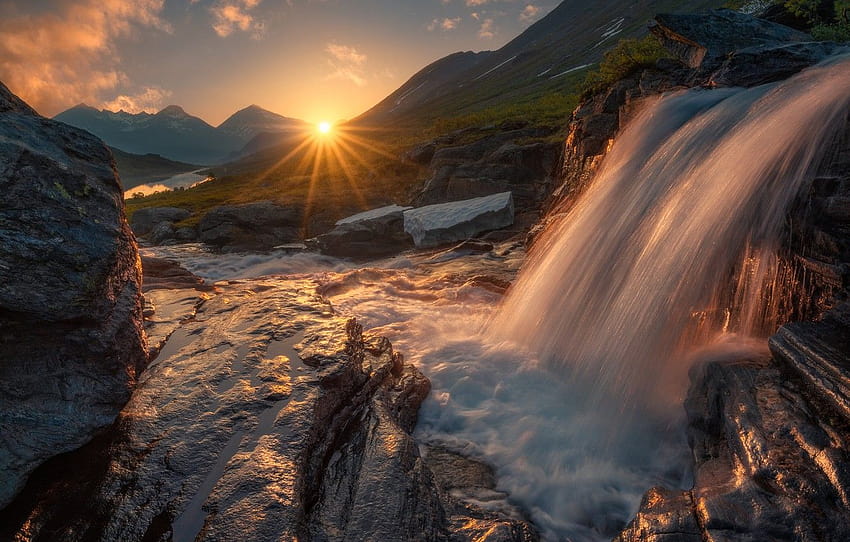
675 240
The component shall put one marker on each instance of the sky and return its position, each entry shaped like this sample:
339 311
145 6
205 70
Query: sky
310 59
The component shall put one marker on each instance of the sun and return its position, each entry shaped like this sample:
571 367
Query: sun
324 127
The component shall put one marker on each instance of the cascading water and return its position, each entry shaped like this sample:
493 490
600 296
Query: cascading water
689 201
637 273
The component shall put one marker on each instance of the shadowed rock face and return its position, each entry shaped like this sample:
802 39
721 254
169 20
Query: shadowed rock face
703 39
259 225
264 417
71 342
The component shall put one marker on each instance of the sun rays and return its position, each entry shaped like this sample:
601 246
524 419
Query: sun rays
338 160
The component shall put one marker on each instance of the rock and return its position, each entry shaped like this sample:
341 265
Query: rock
159 273
144 221
767 63
702 40
260 225
163 232
71 341
494 163
771 445
422 154
445 223
267 416
371 234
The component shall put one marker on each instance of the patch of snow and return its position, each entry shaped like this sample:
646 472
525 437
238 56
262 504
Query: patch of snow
433 225
614 28
544 72
576 68
372 214
491 70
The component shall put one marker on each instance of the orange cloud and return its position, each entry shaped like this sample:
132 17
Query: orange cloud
57 58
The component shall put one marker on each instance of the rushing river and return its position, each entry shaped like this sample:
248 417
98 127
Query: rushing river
572 385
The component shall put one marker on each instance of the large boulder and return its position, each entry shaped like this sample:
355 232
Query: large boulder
251 226
145 221
702 40
444 223
71 342
372 234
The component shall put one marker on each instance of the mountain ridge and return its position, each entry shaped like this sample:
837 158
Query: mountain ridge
177 135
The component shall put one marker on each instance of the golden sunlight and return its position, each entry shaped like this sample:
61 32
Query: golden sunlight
324 128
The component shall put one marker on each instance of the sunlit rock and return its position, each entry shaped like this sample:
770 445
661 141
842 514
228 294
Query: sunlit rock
267 416
445 223
71 343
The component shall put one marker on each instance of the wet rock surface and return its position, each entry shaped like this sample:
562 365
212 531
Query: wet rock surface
770 446
71 342
263 415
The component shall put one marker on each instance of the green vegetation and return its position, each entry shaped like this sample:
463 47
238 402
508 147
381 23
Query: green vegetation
825 20
549 110
625 58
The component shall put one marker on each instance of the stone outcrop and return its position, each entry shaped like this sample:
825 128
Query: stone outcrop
702 40
494 162
260 225
770 446
445 223
267 416
375 233
71 342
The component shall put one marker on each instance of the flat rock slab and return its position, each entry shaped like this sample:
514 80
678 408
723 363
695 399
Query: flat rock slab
444 223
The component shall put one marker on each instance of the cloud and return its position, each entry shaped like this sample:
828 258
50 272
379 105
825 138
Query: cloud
487 30
529 14
58 57
150 99
232 15
347 63
445 24
347 54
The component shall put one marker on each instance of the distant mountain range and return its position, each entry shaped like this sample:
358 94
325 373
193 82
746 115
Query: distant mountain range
548 57
174 134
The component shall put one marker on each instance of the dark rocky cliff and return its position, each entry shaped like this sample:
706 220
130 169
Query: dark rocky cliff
71 341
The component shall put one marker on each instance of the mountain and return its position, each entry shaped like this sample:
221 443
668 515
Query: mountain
174 134
550 56
254 120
